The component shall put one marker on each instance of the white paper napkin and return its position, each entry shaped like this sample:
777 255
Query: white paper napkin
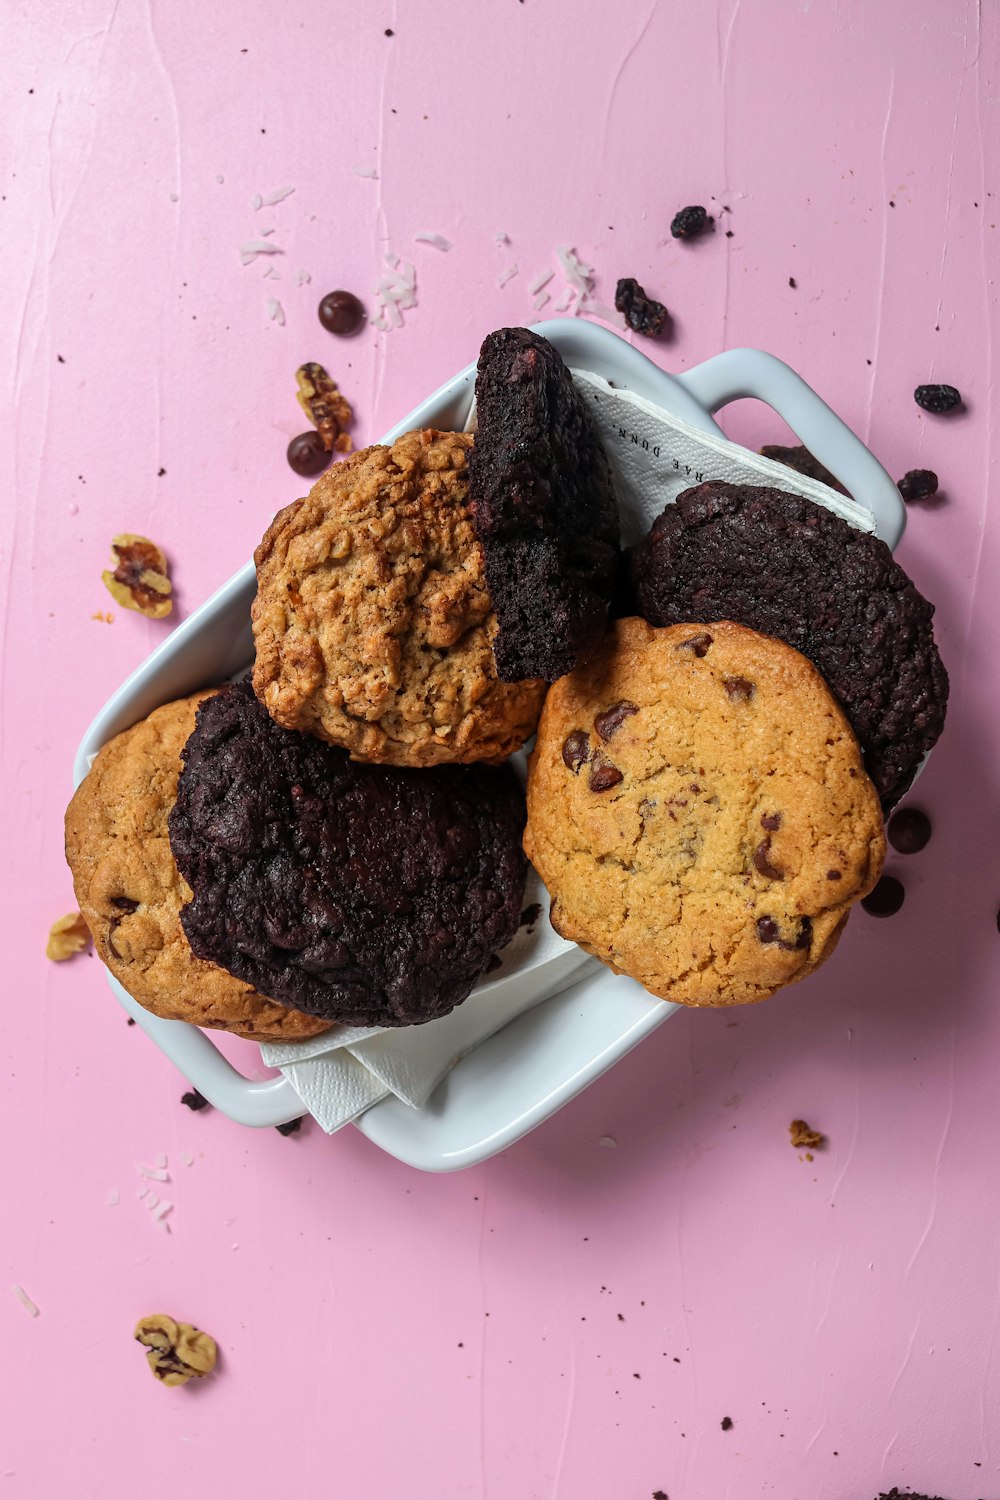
654 456
343 1072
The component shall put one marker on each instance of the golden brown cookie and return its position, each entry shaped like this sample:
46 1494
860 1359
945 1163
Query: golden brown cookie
130 891
372 621
698 809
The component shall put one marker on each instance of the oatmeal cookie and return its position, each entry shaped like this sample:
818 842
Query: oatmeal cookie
130 892
373 624
373 895
698 810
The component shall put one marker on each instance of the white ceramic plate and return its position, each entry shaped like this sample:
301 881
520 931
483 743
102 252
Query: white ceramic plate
542 1059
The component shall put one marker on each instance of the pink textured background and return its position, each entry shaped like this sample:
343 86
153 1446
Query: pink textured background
569 1321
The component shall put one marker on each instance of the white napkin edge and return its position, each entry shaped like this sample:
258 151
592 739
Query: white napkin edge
779 476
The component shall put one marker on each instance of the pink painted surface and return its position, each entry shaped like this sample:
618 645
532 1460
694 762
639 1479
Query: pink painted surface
570 1320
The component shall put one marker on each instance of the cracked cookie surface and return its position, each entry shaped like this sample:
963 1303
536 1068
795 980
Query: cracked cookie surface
699 812
131 892
373 623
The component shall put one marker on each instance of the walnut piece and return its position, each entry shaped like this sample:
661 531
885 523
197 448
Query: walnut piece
803 1135
139 580
176 1352
68 936
327 408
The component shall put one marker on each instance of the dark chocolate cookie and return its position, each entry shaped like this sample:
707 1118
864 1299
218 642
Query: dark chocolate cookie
366 894
788 568
543 508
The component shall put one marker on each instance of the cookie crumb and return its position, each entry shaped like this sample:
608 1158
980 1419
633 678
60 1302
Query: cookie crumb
195 1100
531 914
290 1127
726 1423
802 1134
68 936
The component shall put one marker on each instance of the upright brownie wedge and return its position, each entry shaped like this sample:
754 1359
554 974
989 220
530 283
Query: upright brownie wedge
543 507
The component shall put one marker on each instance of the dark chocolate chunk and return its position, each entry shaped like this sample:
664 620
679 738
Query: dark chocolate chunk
543 507
738 689
290 1127
918 484
726 1423
493 962
307 454
699 644
779 564
194 1100
886 899
359 893
762 861
770 821
603 775
641 313
937 398
612 719
531 914
576 750
909 830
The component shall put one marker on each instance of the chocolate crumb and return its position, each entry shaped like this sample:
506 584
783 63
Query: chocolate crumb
531 914
195 1100
493 962
801 1134
726 1423
792 283
660 1495
290 1127
130 1021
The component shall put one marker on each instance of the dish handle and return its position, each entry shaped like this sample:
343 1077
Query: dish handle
750 372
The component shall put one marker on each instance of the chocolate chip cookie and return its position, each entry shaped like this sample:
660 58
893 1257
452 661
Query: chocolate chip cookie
543 507
130 891
368 894
788 568
698 809
373 623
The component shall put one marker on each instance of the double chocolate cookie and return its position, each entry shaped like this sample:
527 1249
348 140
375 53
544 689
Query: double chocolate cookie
371 895
698 810
543 508
788 568
130 892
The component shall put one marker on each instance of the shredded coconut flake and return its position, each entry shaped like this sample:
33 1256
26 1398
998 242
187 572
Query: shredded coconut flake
113 1198
256 202
540 301
395 290
608 1141
271 275
302 278
365 172
175 197
25 1300
599 310
275 311
187 1158
542 279
266 233
507 275
253 248
153 1201
164 1209
437 240
161 1160
279 196
158 1174
219 178
500 239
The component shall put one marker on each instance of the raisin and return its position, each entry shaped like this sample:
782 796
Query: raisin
918 484
642 314
937 398
689 222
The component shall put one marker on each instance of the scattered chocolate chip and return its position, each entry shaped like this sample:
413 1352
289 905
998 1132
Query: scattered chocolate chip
160 473
909 830
130 1021
762 862
531 914
641 313
937 398
792 283
389 32
307 455
738 689
612 719
729 234
576 750
886 899
661 1494
727 1422
834 875
493 962
689 222
194 1100
603 775
770 821
290 1127
341 312
699 644
918 484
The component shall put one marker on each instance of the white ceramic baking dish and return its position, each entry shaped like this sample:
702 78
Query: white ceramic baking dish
548 1054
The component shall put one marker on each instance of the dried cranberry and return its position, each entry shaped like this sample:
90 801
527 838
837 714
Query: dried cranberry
641 313
918 484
